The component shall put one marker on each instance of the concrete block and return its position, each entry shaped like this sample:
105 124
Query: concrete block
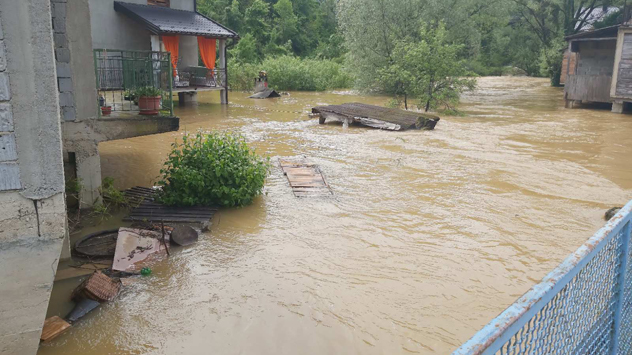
65 84
66 99
9 176
68 113
62 55
59 24
58 9
6 118
5 90
61 40
3 57
63 70
617 107
8 149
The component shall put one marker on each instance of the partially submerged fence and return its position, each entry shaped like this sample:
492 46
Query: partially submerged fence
120 72
584 306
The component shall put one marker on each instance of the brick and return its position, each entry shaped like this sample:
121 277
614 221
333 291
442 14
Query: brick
61 41
5 90
63 71
8 150
65 84
62 55
9 176
3 57
68 113
59 24
66 99
6 118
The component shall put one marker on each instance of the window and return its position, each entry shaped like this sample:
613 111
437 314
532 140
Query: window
164 3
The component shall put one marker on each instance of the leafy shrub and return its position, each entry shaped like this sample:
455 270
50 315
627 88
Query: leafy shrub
147 91
212 169
292 73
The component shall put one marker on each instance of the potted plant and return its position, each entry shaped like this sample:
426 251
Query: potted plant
148 100
106 110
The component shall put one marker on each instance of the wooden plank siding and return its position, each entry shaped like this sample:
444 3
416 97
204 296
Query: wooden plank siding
624 75
595 88
568 66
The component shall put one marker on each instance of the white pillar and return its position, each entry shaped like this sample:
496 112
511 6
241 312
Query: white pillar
222 65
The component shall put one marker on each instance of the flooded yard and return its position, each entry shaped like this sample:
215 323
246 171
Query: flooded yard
429 234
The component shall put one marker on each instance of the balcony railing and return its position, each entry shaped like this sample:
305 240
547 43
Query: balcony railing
120 72
584 306
200 77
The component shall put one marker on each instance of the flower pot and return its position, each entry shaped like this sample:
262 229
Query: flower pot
149 105
106 110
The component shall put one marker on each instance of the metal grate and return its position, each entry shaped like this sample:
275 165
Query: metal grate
582 307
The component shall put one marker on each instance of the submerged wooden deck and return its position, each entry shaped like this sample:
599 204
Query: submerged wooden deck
306 180
376 116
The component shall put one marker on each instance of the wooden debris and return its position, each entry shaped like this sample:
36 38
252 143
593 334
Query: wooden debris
134 246
265 94
98 287
306 180
376 116
53 327
151 211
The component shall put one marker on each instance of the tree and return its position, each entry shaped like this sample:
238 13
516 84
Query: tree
286 22
428 70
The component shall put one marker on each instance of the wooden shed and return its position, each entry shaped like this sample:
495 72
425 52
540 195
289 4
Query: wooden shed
603 67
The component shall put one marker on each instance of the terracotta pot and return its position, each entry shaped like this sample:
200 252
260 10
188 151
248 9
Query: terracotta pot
149 105
106 110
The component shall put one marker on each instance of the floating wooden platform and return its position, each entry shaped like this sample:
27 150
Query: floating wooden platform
376 116
151 211
306 180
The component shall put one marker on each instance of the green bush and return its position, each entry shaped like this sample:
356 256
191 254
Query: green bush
212 169
292 73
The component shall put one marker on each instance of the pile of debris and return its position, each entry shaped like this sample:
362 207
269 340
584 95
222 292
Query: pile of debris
132 251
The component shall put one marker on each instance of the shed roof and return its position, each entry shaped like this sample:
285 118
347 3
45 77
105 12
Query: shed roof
164 20
605 32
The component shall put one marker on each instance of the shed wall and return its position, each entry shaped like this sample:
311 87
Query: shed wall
624 76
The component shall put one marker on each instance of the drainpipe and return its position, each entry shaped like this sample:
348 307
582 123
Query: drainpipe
194 5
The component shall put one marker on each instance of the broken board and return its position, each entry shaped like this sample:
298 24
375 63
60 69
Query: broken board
53 327
306 180
376 116
134 246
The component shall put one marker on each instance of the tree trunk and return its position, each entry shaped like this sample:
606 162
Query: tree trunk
406 101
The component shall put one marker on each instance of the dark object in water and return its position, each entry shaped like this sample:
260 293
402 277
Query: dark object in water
97 245
265 94
83 307
377 117
611 212
184 235
98 287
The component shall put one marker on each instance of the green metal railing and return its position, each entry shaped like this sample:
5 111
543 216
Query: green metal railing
120 72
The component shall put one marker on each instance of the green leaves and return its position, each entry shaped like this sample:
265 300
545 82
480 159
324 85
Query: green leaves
212 169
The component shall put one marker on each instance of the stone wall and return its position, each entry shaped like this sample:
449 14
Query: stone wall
32 208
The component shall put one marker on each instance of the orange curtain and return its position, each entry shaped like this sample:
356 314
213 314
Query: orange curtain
207 51
171 45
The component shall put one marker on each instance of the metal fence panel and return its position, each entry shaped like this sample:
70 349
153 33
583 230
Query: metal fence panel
584 306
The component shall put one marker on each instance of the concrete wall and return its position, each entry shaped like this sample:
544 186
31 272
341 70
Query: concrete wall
32 208
188 52
111 30
596 57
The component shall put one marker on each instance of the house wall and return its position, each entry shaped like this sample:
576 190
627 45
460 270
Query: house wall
111 30
32 208
596 57
623 88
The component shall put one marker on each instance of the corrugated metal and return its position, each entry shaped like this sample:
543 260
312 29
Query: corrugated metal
163 20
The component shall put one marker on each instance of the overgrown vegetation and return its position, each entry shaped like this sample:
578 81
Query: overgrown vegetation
212 169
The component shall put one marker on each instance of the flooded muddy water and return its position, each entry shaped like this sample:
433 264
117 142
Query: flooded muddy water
430 234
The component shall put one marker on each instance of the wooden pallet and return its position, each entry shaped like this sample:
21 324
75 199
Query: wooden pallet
151 211
53 327
306 180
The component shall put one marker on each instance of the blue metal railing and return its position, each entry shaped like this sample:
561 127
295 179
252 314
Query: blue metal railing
584 306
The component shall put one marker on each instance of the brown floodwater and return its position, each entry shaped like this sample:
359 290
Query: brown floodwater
430 234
